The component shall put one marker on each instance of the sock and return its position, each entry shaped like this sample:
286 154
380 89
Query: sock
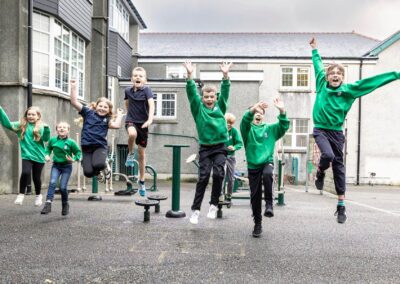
48 201
340 202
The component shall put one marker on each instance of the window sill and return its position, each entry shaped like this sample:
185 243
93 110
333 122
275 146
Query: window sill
294 91
165 121
293 150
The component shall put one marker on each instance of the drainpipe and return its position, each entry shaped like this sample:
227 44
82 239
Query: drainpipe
107 27
30 14
359 128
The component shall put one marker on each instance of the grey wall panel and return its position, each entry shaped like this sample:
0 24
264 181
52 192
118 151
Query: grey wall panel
112 53
124 58
119 54
78 15
49 6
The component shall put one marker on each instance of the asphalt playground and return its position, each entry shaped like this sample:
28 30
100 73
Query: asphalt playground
108 242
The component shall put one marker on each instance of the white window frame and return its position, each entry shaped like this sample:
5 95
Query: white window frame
293 134
41 70
119 18
178 71
158 105
295 74
73 68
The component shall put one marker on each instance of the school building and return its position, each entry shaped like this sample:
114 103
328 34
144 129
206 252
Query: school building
99 42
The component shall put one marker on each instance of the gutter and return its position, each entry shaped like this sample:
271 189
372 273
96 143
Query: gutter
30 14
359 128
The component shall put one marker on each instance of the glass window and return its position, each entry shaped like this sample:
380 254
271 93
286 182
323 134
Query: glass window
165 106
119 18
296 136
295 77
58 54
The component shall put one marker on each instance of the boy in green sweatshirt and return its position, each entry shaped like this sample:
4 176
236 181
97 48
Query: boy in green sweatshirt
259 142
233 144
333 102
65 152
208 112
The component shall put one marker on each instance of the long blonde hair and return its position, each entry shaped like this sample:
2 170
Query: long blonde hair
23 122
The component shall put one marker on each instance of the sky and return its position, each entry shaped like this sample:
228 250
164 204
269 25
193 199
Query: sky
377 19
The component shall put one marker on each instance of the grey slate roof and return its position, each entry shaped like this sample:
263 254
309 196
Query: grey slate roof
254 45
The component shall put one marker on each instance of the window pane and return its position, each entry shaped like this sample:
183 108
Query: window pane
57 30
301 126
287 80
301 140
66 35
65 52
58 74
57 47
287 140
65 77
75 41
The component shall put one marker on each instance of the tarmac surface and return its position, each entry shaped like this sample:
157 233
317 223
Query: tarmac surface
108 242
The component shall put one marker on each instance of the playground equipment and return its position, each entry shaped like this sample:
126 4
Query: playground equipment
158 198
146 203
175 212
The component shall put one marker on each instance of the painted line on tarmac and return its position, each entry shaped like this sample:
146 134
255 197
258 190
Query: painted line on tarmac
325 193
373 208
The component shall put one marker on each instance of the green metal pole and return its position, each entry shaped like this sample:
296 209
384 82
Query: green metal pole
175 212
281 194
176 177
95 185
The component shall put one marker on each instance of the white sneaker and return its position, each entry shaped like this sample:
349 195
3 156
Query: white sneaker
212 212
194 219
20 199
38 200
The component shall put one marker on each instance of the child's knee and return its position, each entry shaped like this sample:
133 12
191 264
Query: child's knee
327 157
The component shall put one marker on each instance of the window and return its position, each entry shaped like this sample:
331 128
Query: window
41 49
296 136
110 89
177 71
295 78
58 55
164 106
119 18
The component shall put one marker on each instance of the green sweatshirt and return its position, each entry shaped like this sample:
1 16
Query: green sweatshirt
30 149
259 140
332 105
234 140
210 123
61 148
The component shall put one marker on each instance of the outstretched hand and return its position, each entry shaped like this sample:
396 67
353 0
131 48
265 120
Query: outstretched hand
279 104
259 107
313 43
225 67
189 68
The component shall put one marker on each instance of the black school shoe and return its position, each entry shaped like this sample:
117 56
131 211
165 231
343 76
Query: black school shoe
65 209
269 211
319 180
341 214
47 208
257 231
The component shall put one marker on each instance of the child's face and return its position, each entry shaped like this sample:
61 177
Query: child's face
102 108
335 77
209 99
229 124
138 79
32 116
258 118
62 129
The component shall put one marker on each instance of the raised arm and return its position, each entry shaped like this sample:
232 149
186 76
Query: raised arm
225 86
4 120
283 124
319 69
245 124
189 69
117 122
74 96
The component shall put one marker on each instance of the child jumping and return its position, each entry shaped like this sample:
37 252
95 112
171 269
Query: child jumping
208 112
139 105
333 102
96 123
66 151
32 133
259 143
233 144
